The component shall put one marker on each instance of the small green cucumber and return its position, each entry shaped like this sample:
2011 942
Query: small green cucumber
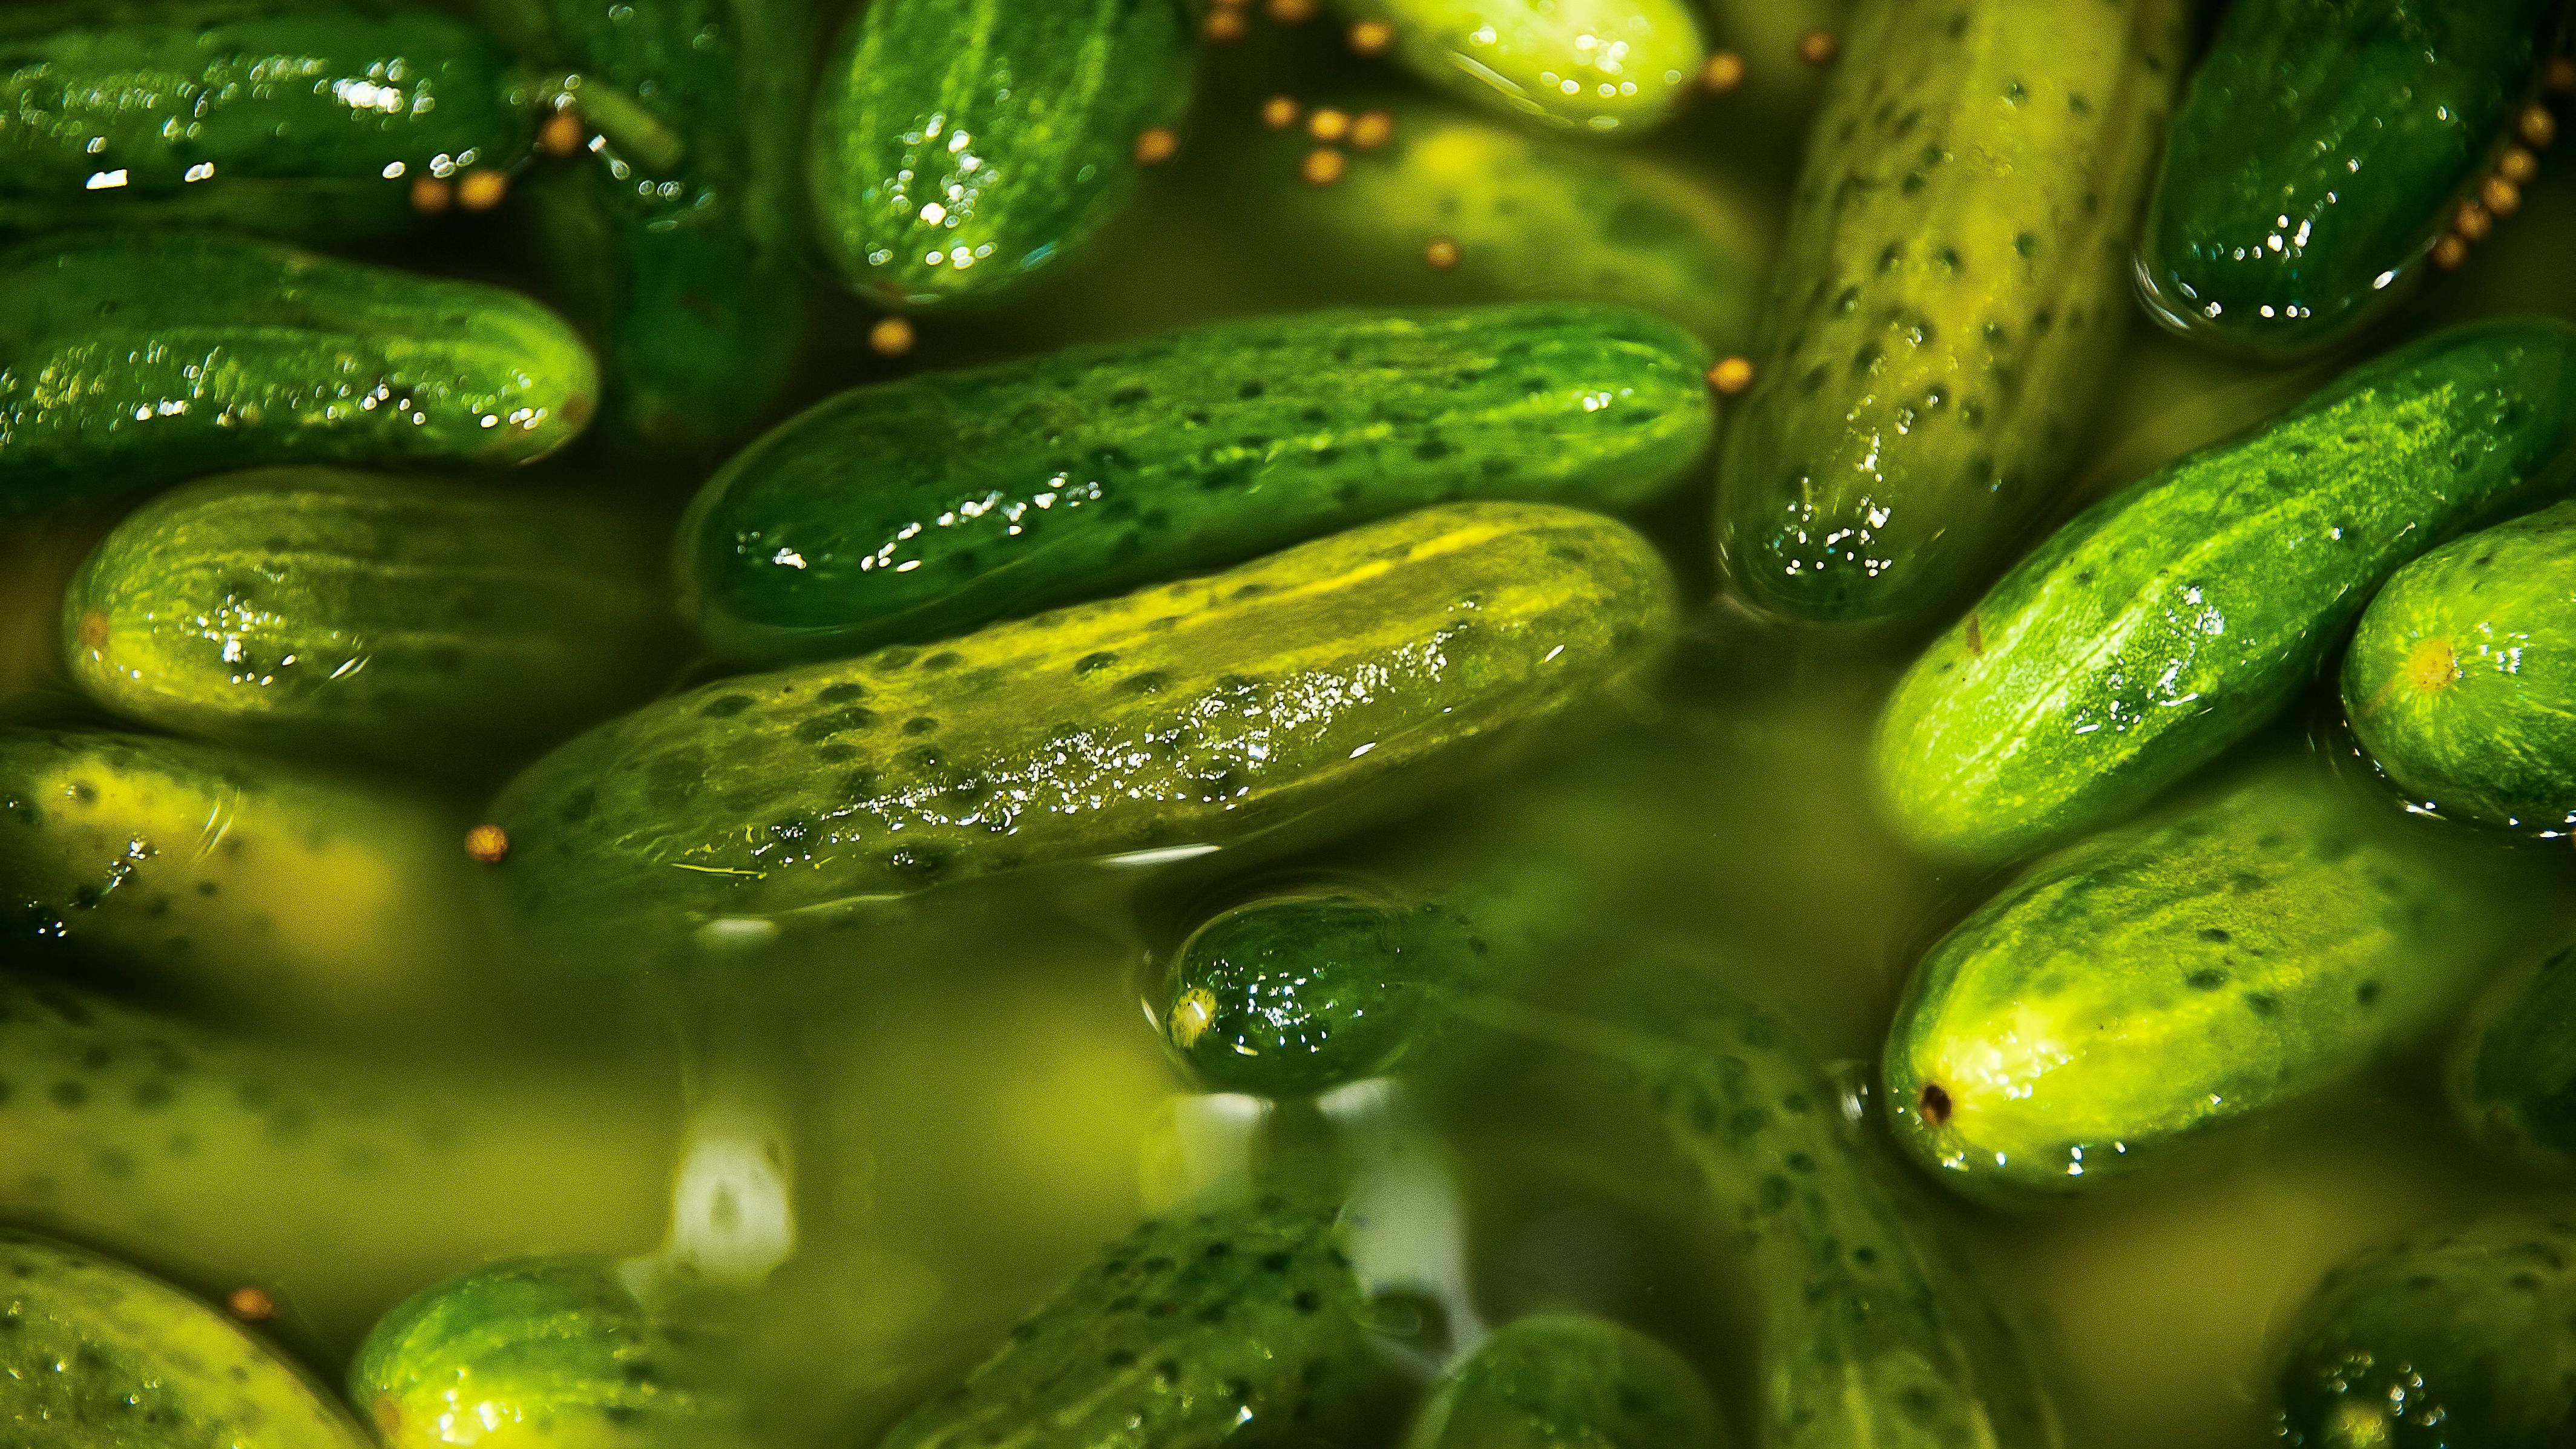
1303 689
2323 148
287 117
2461 1338
1595 66
958 147
1243 1327
1563 1381
255 882
2174 617
139 358
2461 680
918 509
543 1353
2513 1074
94 1355
409 622
1950 298
2146 986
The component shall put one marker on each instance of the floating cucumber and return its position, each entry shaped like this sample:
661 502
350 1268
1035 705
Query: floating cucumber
2461 680
2463 1338
1949 299
2322 150
255 882
2174 617
958 147
135 359
1311 686
2146 986
1561 1381
543 1352
1242 1326
410 622
1595 66
2513 1074
918 509
290 117
94 1355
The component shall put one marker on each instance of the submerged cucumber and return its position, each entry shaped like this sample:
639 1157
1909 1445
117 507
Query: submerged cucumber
2461 680
918 509
1315 685
2513 1074
2323 148
289 117
1596 66
1561 1381
2464 1338
2173 618
410 622
94 1355
957 146
134 359
1949 298
2144 987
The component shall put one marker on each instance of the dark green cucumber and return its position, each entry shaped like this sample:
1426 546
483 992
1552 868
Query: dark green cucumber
135 359
287 117
543 1352
2146 986
959 147
410 622
2323 148
2461 680
922 508
94 1355
1308 687
1561 1381
1242 1326
1949 299
2173 618
2460 1338
2513 1074
1595 66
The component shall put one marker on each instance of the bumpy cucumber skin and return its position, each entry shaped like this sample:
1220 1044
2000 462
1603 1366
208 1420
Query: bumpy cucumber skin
2461 680
407 622
135 359
1301 688
2460 1339
1949 299
921 508
2513 1074
1595 66
539 1353
2148 985
958 147
2319 154
94 1355
1561 1381
2171 619
269 116
1238 1327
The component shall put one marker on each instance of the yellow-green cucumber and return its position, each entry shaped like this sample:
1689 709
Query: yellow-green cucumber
1566 1381
1597 67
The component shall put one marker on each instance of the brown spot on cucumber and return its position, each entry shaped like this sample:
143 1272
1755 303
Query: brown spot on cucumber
1976 636
93 630
1934 1103
387 1413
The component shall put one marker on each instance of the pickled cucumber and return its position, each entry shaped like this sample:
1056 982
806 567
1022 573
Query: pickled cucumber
1560 1381
2513 1074
1593 66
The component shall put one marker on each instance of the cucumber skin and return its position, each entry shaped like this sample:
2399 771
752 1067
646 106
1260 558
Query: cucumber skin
1561 1381
165 86
2295 99
917 509
2057 703
2459 1339
244 354
2493 738
2513 1074
406 622
1949 301
94 1355
1199 713
1240 1327
1051 97
1518 57
2148 985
